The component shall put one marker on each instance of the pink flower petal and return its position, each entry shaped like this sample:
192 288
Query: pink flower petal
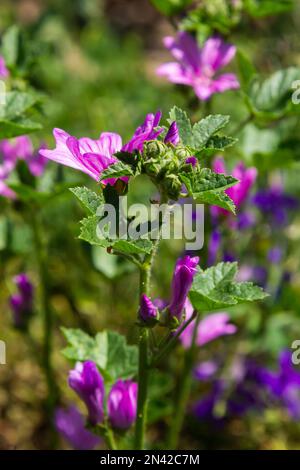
216 53
174 72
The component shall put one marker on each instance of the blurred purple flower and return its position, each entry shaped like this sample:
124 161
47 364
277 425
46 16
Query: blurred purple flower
257 274
228 257
213 246
183 276
284 385
240 191
275 204
204 409
71 425
148 311
246 219
22 302
198 67
11 151
4 73
275 254
211 327
205 370
122 404
88 383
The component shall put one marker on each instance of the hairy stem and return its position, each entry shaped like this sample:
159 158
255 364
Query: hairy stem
143 372
183 392
110 438
47 318
171 343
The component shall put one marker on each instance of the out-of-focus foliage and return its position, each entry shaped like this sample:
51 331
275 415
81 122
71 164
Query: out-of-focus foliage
88 66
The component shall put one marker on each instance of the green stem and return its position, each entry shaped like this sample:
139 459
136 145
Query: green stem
143 372
172 342
183 392
110 438
47 318
242 124
143 380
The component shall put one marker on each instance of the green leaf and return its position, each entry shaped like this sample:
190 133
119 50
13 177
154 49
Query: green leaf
139 246
10 45
273 95
89 233
246 69
109 350
90 200
206 180
206 128
13 120
183 123
219 199
27 193
170 7
116 171
9 129
17 103
260 8
215 288
112 267
122 360
82 347
218 142
201 135
207 187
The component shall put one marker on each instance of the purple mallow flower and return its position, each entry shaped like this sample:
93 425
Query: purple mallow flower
70 424
11 151
149 130
275 203
211 327
4 73
183 276
22 302
88 383
172 137
198 67
240 191
87 155
94 156
148 311
122 404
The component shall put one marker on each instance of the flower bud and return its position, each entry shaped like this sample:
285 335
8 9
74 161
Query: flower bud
71 425
22 302
148 312
153 149
172 136
172 186
87 382
182 153
122 404
183 276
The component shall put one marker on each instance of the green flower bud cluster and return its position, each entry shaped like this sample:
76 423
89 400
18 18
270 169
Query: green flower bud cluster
162 163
